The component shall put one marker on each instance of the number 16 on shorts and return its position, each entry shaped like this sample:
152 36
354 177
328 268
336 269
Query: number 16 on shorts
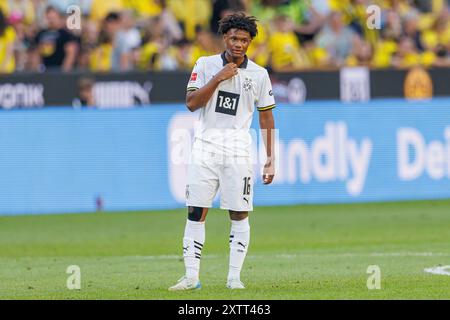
247 190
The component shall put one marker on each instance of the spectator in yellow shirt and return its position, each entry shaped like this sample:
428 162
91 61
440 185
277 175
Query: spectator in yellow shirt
184 54
439 35
191 14
386 46
101 8
408 56
188 52
384 51
149 54
284 46
355 15
7 40
315 56
258 50
204 45
157 52
145 8
361 54
100 58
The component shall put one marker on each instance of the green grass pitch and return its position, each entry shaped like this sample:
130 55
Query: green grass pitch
296 252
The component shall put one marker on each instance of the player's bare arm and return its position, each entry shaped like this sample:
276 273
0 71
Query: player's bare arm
267 125
199 98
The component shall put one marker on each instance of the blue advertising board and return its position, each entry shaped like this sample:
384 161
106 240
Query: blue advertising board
64 160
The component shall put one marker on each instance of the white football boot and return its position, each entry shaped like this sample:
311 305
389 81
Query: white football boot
235 284
185 284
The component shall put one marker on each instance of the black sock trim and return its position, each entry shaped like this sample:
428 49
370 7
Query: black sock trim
200 244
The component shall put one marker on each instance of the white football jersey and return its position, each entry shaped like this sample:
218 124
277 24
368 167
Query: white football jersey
225 121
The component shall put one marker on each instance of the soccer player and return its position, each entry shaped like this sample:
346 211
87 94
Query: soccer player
227 88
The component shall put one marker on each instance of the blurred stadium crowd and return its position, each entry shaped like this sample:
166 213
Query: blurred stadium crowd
122 35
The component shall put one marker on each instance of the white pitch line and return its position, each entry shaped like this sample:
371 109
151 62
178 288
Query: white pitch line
442 270
411 254
300 255
362 254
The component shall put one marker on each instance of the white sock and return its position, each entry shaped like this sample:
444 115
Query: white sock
239 241
194 238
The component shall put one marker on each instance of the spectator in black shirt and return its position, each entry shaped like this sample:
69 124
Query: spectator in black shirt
56 46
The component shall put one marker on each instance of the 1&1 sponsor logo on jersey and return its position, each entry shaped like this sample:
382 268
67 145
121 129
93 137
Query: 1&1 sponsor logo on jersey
227 103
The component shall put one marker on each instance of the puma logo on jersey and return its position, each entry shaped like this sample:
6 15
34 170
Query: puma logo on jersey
227 102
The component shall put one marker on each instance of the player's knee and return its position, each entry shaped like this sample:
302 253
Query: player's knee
237 216
196 213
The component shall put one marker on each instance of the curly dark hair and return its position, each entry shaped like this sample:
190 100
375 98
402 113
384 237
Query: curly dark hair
239 21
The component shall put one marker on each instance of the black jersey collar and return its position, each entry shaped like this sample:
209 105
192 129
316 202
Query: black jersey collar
243 65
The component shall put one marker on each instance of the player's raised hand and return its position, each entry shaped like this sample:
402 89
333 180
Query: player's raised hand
268 172
228 71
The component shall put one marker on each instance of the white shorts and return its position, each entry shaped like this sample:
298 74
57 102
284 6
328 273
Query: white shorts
208 171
